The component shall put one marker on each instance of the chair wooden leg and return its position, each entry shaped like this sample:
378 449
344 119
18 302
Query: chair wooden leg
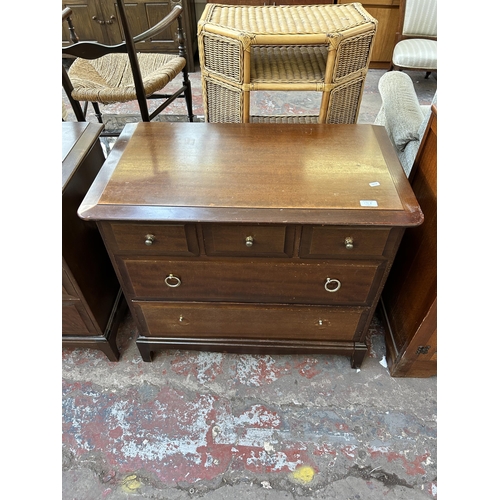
75 105
188 95
97 112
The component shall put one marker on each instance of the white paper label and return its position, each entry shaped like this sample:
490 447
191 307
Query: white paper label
373 184
368 203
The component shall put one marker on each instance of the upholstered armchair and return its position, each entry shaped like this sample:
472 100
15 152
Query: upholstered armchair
403 117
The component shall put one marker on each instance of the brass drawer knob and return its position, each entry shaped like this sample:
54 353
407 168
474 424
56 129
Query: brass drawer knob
172 281
332 285
249 241
349 243
150 238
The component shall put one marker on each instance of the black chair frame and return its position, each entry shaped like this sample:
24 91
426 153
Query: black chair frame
94 50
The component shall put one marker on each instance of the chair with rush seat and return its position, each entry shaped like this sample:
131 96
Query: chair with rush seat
105 74
416 39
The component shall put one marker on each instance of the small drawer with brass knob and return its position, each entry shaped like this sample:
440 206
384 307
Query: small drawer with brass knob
153 239
340 241
239 240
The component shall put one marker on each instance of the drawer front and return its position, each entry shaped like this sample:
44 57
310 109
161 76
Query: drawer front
212 320
342 241
248 240
349 282
154 239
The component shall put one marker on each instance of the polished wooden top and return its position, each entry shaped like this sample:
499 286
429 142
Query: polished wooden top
76 140
253 172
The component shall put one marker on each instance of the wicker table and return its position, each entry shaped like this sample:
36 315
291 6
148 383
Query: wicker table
324 48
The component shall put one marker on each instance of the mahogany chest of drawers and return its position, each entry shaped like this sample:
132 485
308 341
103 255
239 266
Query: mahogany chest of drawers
257 238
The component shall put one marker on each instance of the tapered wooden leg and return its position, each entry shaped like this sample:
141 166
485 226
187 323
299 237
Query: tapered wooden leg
358 355
145 351
111 351
97 111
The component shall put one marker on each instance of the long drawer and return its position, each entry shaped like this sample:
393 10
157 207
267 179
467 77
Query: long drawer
327 282
265 321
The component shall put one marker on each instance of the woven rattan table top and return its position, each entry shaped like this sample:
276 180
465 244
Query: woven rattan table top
287 19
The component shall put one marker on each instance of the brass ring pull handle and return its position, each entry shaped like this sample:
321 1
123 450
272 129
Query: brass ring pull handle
172 281
349 243
150 238
332 285
249 241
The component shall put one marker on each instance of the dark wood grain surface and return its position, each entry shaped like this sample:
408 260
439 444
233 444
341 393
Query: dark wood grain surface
231 172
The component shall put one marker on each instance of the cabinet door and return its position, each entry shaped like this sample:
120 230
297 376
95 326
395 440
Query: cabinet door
386 12
141 16
86 18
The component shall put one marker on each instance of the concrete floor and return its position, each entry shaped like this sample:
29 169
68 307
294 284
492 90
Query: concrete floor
227 426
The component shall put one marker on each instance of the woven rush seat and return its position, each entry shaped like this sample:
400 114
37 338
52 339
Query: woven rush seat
109 79
324 48
305 119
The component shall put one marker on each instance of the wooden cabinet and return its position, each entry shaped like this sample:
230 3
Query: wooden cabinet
215 250
97 20
387 14
409 301
92 301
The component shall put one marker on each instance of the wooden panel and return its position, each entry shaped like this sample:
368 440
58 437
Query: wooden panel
232 240
142 16
253 281
69 291
325 241
75 320
86 27
409 297
386 12
251 321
